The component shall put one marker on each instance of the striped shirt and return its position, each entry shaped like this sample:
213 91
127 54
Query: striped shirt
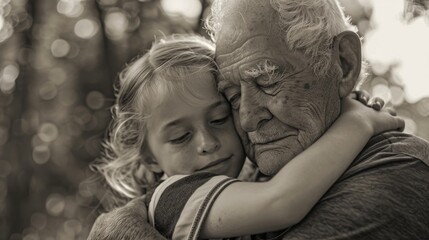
179 205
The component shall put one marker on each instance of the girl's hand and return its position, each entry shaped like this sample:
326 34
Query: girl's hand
376 103
372 116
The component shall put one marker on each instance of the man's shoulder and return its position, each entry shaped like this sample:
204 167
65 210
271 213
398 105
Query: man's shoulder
393 145
387 149
394 142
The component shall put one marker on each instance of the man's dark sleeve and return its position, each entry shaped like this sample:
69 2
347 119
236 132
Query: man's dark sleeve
125 223
384 196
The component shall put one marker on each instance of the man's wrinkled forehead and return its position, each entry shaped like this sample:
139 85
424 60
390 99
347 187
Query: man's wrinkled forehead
245 57
246 29
240 19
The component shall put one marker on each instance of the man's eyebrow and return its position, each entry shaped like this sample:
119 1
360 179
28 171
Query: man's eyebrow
260 68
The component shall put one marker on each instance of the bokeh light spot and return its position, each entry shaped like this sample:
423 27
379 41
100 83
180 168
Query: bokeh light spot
6 32
70 8
382 91
72 227
8 75
39 220
398 95
95 100
48 91
31 236
379 68
188 8
48 132
57 76
7 87
36 141
85 28
10 72
60 48
87 189
82 115
379 80
116 24
41 154
55 204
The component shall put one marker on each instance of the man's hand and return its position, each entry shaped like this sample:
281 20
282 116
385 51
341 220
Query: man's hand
125 223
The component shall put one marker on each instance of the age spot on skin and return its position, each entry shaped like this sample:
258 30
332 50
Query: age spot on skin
283 100
307 86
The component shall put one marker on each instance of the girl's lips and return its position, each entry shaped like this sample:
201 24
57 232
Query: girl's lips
214 163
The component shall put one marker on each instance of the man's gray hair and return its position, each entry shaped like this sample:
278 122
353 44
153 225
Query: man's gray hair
309 27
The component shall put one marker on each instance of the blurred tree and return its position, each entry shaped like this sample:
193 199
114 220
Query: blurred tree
58 64
416 8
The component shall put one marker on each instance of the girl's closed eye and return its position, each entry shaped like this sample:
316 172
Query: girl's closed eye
220 121
181 139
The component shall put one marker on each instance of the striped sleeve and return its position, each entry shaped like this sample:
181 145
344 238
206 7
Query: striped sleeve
180 204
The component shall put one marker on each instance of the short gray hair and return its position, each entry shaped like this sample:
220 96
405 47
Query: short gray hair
309 27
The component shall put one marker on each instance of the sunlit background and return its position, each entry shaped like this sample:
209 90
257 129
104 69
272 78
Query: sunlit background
59 60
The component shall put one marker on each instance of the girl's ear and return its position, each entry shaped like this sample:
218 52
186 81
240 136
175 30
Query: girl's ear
154 167
149 161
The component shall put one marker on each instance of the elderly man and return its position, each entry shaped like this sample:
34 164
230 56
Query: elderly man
284 66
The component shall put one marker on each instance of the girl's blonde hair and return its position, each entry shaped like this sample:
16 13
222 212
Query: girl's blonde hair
141 87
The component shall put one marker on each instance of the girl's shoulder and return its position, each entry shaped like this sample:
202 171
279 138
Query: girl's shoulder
180 203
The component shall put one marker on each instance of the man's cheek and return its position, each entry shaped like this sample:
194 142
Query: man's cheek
238 128
243 135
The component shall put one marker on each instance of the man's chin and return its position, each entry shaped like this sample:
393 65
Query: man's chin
270 162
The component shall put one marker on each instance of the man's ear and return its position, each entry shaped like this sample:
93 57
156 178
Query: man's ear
348 55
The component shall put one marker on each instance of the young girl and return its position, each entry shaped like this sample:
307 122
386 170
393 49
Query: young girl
171 123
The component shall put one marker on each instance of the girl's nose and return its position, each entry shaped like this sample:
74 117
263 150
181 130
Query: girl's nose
209 144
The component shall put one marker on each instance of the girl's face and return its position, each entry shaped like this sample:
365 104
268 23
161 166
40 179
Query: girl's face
193 131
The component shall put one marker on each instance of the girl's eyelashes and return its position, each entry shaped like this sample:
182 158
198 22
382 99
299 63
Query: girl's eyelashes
187 136
181 139
220 121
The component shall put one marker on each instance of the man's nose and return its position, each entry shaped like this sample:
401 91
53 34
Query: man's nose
252 111
209 143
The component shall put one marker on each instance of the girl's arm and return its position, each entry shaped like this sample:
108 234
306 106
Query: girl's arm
250 208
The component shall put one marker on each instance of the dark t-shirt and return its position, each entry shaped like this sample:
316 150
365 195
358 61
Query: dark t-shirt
383 195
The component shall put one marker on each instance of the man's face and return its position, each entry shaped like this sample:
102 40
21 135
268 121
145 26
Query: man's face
278 101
